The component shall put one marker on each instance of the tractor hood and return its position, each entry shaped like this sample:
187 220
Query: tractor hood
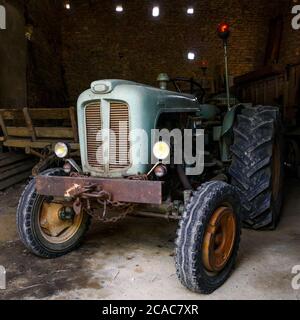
142 104
113 87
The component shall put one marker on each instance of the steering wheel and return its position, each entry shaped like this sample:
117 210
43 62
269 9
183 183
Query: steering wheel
195 87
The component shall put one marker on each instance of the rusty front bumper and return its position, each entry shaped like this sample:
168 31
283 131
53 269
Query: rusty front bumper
122 190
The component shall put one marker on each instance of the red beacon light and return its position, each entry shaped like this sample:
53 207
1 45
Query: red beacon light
224 31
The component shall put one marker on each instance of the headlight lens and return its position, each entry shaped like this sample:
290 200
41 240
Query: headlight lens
161 150
61 150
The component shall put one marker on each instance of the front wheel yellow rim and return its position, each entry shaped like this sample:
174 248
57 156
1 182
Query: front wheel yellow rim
55 229
219 239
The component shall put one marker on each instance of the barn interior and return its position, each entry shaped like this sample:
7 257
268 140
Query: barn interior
52 50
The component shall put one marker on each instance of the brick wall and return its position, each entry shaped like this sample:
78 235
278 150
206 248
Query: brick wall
69 49
98 43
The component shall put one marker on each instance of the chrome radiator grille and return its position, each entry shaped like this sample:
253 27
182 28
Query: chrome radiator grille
118 143
93 126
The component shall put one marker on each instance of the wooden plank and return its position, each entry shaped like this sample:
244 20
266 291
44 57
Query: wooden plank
259 74
13 159
265 89
55 132
276 87
37 113
18 131
29 124
11 114
15 170
3 126
50 113
42 132
274 40
74 123
40 144
6 155
16 165
13 180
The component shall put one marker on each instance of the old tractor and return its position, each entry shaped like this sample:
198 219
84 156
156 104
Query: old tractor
240 181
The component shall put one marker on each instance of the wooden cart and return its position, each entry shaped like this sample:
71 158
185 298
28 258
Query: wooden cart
26 132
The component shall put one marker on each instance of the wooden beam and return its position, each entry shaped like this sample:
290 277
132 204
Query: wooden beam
42 132
23 143
50 113
3 126
11 114
38 113
15 169
29 124
14 158
18 132
262 73
13 180
74 123
6 155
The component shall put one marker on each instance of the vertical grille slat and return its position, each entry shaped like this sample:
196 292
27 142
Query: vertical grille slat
119 112
93 126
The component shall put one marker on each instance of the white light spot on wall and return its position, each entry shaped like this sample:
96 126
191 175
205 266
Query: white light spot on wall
67 5
119 8
155 11
190 10
191 56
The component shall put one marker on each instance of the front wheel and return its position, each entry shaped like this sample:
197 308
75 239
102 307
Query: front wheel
48 228
208 237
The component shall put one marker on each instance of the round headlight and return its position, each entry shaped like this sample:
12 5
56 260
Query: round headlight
161 150
61 150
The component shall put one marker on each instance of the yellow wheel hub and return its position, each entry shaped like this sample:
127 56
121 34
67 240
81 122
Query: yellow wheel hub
53 228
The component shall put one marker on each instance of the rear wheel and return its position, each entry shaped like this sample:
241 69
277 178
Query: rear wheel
208 237
257 165
48 228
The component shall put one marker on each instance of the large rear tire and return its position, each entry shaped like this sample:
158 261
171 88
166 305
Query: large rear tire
47 228
257 165
208 237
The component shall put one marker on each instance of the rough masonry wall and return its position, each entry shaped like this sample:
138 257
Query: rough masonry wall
31 71
13 57
99 43
44 73
69 49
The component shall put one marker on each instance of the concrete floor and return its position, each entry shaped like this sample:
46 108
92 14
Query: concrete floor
133 259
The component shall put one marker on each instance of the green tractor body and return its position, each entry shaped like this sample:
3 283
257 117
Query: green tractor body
142 107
